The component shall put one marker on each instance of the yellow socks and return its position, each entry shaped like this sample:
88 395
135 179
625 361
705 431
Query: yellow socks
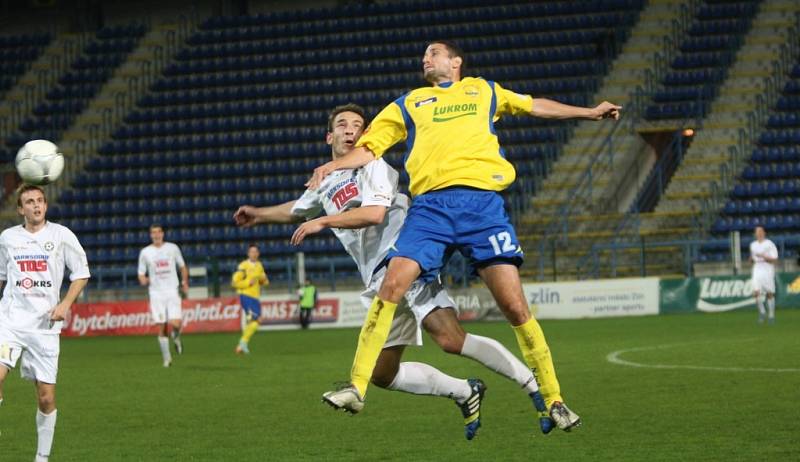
249 330
537 355
370 342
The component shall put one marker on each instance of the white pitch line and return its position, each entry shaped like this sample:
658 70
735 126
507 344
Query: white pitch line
614 358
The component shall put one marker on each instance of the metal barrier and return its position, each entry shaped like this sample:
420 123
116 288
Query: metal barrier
691 250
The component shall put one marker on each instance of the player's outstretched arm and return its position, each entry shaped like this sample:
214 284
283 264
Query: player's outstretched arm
247 215
356 158
549 109
59 312
357 218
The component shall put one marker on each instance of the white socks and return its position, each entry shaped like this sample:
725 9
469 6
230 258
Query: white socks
422 379
45 428
496 357
163 342
760 302
771 307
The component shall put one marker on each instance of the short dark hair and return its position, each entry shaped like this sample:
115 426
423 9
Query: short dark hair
29 187
349 107
156 225
251 245
454 51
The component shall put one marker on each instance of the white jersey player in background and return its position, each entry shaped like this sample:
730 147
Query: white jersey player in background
157 264
764 254
33 257
365 212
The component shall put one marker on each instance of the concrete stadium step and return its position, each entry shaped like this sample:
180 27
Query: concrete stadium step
746 80
587 223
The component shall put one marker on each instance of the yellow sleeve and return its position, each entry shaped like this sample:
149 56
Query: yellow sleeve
239 279
510 103
386 129
263 279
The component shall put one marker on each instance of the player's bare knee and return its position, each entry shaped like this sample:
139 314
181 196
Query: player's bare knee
449 341
382 380
452 344
393 288
47 401
384 376
516 312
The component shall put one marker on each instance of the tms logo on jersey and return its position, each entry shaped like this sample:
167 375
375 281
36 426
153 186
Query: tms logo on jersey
32 265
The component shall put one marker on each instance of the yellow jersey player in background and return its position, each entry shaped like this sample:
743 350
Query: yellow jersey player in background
248 280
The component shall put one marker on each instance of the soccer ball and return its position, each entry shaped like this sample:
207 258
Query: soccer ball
39 162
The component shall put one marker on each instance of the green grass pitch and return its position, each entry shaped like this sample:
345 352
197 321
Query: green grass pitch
116 402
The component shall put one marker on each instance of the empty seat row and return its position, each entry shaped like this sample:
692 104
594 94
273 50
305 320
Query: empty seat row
746 223
772 170
760 206
776 154
776 137
23 40
518 24
767 188
451 10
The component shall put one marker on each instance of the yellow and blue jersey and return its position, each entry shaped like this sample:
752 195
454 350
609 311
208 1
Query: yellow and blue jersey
245 272
449 133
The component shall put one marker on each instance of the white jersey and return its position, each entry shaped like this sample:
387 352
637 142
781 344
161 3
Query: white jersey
761 266
158 263
342 190
33 265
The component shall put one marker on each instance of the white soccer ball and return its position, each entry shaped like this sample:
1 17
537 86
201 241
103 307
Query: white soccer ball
39 162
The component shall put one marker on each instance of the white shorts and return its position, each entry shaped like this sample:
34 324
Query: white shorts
164 307
419 301
763 282
39 353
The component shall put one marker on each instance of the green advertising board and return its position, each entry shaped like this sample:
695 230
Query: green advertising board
713 294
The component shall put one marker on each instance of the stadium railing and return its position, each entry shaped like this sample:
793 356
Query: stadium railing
690 250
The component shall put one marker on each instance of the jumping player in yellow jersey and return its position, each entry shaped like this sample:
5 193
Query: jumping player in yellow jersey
456 166
248 280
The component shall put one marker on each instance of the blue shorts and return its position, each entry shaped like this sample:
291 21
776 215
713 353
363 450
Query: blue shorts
251 307
471 221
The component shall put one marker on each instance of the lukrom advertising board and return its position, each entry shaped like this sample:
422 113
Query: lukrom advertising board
714 294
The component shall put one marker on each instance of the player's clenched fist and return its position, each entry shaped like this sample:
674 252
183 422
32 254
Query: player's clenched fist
606 110
245 216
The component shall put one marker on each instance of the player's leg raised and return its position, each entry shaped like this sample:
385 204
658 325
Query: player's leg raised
399 276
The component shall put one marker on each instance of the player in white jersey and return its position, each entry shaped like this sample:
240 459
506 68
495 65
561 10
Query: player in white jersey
763 255
365 212
157 264
33 257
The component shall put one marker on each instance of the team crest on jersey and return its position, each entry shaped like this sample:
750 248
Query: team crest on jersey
49 246
472 91
425 101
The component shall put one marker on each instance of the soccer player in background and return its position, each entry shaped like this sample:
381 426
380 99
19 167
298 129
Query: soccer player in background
456 168
307 302
248 279
33 257
156 271
763 255
366 212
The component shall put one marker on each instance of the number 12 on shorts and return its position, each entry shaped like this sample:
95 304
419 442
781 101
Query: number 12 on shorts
501 243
